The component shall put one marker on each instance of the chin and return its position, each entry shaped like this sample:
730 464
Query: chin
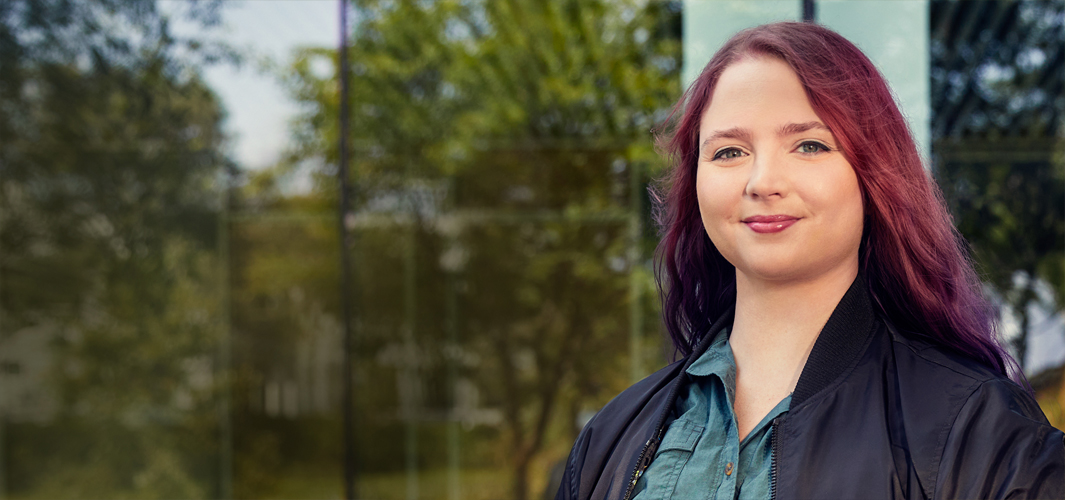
774 275
776 270
767 271
780 266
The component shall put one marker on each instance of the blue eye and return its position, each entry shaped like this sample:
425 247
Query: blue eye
810 147
728 154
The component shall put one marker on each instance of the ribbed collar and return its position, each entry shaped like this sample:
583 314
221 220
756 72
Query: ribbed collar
841 342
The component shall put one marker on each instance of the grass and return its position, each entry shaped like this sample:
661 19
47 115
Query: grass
312 484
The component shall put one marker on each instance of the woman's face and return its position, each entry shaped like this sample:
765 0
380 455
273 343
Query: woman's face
776 195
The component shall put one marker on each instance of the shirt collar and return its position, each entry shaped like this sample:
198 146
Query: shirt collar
716 360
838 347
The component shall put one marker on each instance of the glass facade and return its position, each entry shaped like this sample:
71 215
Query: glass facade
172 320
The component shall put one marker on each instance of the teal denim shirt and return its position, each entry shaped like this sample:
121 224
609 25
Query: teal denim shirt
701 456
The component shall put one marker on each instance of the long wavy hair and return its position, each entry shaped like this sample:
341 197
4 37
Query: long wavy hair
915 262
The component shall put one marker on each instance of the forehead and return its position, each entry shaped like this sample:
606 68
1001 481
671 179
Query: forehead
757 91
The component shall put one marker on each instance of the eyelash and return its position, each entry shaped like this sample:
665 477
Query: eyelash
821 148
720 155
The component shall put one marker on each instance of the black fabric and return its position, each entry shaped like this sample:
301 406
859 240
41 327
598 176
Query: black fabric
602 463
843 337
874 415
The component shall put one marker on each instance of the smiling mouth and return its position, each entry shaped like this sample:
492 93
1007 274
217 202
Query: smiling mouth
769 223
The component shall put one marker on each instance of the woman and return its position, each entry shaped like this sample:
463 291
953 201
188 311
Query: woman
836 341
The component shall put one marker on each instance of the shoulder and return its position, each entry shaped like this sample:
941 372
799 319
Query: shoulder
602 454
1001 445
636 397
931 359
951 379
632 410
962 383
991 438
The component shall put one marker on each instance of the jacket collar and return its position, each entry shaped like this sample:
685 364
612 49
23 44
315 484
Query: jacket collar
840 343
837 348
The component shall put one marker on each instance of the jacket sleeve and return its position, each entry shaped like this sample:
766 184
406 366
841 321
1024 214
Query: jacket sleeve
571 477
1001 446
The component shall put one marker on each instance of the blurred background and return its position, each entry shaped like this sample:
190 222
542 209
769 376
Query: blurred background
173 300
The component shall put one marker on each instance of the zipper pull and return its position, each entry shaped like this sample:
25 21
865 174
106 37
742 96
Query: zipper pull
646 456
645 461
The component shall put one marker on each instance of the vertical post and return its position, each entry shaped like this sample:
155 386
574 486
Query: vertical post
453 455
809 11
454 466
3 397
3 452
225 353
409 388
3 446
3 405
345 262
635 278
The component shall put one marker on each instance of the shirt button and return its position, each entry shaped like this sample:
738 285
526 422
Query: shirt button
728 469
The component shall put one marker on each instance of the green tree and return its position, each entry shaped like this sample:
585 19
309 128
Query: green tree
110 158
998 107
501 155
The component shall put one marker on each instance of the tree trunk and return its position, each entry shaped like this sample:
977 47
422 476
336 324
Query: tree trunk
521 478
1020 344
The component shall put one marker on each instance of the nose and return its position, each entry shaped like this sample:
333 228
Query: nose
768 177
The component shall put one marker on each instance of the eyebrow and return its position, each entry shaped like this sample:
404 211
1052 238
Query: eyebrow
732 133
746 135
798 128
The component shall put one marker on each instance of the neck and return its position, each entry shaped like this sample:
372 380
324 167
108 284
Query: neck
777 322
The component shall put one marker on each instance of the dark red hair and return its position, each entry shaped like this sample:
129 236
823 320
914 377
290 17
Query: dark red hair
915 262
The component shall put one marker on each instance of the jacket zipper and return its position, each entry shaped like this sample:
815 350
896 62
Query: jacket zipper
651 446
776 454
646 456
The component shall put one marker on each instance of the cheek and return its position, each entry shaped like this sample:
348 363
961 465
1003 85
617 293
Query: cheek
706 193
716 207
850 215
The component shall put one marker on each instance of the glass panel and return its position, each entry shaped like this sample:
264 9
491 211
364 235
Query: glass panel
708 24
171 315
112 304
501 159
997 142
894 34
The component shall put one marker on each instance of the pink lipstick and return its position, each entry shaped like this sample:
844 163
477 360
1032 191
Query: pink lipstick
769 223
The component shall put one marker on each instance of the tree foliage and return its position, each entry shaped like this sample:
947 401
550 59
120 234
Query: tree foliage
110 158
998 111
497 228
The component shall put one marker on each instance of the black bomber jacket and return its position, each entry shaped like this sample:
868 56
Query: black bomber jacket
874 415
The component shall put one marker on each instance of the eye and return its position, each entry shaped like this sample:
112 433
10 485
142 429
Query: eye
811 147
729 153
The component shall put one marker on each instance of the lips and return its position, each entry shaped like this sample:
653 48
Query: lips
769 223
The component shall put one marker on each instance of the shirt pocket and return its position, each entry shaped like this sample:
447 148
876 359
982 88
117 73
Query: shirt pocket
672 455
